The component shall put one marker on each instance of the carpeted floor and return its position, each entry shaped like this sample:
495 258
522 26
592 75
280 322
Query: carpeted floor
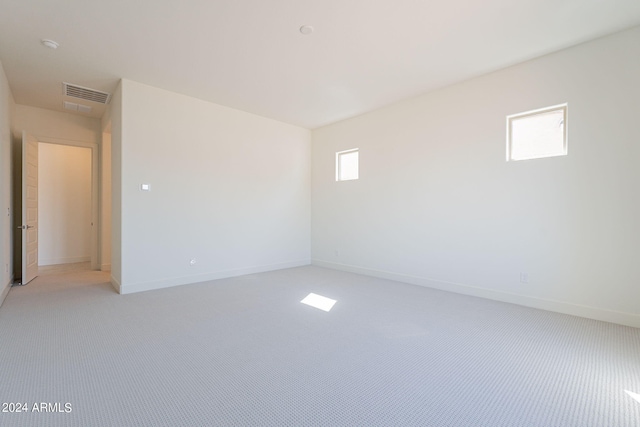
245 352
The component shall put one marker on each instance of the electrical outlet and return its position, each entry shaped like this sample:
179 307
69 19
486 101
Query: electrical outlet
524 277
192 262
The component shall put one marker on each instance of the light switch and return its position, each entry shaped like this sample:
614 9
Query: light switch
145 187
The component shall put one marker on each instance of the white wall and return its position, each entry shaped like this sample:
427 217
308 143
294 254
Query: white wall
228 188
6 259
41 122
64 204
437 204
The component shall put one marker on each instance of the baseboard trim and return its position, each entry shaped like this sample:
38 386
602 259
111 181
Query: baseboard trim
115 284
56 261
621 318
178 281
5 291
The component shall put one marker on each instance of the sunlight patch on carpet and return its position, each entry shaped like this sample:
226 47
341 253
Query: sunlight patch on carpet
318 301
635 396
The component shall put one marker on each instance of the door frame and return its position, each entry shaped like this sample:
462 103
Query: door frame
29 210
95 195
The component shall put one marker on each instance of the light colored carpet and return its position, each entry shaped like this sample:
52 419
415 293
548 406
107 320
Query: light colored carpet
245 352
44 270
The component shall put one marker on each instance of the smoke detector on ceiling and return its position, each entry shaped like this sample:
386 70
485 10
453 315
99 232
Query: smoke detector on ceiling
50 43
85 93
306 29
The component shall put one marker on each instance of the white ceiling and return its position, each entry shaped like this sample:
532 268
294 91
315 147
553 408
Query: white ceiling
250 55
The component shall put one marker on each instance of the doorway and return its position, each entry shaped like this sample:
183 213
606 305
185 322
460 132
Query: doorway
68 206
64 206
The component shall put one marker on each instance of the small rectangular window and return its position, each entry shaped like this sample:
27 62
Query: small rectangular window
537 134
347 165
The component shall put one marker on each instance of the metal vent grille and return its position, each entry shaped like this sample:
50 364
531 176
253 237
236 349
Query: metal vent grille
85 93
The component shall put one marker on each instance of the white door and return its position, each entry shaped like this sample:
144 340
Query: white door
29 208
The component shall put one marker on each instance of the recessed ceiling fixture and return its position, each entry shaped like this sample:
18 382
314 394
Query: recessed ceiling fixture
49 43
306 29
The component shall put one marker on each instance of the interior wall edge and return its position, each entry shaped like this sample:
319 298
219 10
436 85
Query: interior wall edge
5 292
620 318
224 274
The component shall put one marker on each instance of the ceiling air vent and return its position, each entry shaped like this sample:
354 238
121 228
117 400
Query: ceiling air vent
85 93
76 107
